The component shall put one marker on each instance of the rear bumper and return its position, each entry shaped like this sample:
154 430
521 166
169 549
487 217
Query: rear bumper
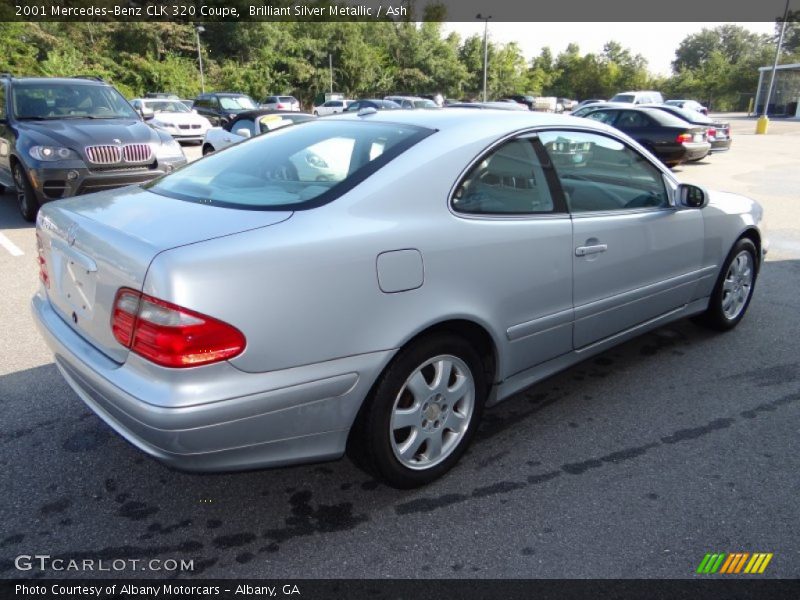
216 418
721 145
696 151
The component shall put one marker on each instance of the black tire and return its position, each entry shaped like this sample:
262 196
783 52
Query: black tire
26 198
372 442
207 149
715 315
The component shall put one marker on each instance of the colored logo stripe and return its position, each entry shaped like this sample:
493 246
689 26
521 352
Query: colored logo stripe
711 563
734 563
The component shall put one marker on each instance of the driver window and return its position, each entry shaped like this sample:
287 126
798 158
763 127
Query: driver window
598 173
510 180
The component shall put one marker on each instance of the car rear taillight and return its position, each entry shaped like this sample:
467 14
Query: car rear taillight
684 138
281 105
44 275
711 132
169 335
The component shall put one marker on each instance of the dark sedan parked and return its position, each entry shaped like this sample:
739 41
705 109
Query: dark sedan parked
718 132
669 138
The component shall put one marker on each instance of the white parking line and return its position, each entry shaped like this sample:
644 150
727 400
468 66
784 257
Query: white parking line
10 246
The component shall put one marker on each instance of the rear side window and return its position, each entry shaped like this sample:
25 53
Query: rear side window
509 181
2 101
291 168
629 119
604 116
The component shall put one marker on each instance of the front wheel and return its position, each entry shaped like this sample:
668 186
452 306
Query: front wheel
734 288
208 149
423 412
26 197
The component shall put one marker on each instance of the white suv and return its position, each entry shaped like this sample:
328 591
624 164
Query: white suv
331 107
281 103
639 98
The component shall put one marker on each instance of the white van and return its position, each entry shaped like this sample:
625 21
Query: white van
639 98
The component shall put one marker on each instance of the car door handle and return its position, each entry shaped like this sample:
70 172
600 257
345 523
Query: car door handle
587 250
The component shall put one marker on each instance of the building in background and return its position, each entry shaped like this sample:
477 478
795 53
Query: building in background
785 99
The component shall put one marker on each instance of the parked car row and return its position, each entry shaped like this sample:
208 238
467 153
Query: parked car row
674 134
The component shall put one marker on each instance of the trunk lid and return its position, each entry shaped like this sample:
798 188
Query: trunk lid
94 245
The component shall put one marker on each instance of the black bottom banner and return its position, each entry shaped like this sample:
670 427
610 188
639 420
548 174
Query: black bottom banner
403 589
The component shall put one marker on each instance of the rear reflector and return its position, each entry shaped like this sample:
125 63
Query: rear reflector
170 335
44 275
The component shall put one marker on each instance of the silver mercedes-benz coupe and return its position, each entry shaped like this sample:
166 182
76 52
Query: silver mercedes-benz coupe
243 313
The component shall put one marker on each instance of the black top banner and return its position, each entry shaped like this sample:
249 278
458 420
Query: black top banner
410 10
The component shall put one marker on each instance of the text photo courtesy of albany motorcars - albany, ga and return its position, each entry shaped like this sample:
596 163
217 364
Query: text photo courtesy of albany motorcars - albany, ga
436 299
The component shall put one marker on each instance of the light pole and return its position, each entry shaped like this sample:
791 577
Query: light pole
485 19
763 120
198 30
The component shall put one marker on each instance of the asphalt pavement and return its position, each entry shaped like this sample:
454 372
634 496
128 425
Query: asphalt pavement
635 463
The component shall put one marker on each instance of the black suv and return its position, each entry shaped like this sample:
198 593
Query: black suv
222 107
64 137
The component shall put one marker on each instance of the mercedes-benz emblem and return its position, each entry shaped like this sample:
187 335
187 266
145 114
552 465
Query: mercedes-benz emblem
72 233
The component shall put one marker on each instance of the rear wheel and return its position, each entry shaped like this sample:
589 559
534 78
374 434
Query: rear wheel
208 149
26 198
734 288
423 412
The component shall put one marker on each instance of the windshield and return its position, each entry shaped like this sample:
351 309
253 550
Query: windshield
237 103
629 98
166 106
49 101
291 168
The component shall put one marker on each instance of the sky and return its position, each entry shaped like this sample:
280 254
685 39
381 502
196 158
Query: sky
657 42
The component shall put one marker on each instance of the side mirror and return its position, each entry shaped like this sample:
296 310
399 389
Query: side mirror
692 196
243 132
147 114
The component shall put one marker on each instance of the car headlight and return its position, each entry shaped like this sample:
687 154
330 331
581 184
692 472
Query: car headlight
169 149
52 153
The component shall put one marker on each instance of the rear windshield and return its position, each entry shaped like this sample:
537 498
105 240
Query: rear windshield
287 99
291 168
623 98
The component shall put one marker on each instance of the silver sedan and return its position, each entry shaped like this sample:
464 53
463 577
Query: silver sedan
240 314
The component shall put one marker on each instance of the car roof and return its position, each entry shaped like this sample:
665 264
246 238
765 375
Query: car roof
62 80
492 121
